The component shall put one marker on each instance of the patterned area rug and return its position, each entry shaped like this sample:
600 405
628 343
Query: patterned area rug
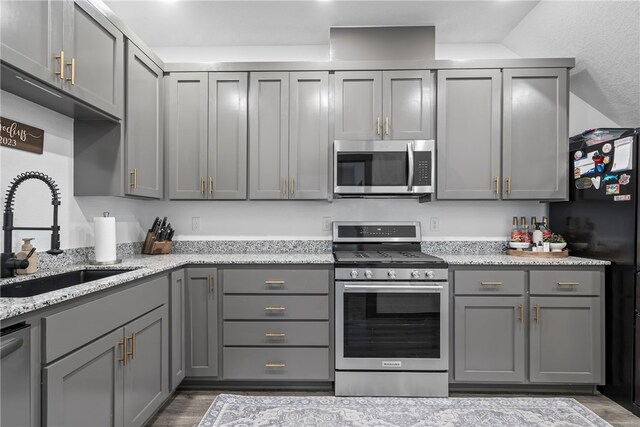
324 411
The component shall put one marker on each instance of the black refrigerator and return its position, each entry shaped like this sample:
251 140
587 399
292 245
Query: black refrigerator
600 220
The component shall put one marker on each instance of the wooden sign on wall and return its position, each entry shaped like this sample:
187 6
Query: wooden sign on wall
20 136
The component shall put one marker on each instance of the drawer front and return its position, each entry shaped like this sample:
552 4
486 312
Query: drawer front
274 307
565 282
276 333
276 363
481 282
275 281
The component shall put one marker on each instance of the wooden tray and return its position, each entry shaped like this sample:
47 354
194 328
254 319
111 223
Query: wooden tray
531 254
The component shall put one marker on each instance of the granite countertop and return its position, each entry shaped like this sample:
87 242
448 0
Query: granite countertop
145 265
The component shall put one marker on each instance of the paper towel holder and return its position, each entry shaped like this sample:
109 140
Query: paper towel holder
114 262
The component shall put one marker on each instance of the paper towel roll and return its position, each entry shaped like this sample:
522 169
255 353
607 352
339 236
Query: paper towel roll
105 232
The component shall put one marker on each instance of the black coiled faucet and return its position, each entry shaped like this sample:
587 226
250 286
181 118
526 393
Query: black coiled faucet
8 261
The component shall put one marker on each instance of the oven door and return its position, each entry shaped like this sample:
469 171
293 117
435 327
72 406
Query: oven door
398 326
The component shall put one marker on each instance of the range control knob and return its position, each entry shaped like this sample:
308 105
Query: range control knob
354 274
391 274
415 274
368 274
429 274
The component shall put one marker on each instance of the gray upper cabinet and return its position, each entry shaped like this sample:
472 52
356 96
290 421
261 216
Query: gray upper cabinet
495 356
144 125
202 322
187 111
94 57
384 104
535 138
565 340
227 152
207 136
288 128
469 140
31 37
178 328
407 98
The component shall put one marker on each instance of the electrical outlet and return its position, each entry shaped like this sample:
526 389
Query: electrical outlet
326 223
434 224
195 223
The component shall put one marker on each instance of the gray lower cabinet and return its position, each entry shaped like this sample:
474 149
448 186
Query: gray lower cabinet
535 131
289 142
202 322
566 340
490 336
469 134
384 104
207 135
177 300
144 126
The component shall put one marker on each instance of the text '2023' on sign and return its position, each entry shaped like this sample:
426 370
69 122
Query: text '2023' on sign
20 136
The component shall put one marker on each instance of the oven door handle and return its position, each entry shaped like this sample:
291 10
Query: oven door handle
392 288
410 156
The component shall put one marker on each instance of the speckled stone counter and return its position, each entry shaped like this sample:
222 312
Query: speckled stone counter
140 266
501 259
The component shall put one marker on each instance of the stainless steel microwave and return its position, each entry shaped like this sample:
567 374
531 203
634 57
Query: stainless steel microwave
384 168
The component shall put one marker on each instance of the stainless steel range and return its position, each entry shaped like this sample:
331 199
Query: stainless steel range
392 328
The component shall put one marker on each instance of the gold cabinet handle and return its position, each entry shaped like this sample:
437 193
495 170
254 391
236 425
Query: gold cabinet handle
123 352
202 185
568 283
537 313
508 185
497 185
378 131
284 185
386 125
521 313
131 339
274 335
72 64
211 283
491 283
134 178
274 308
274 282
61 59
210 186
275 365
292 186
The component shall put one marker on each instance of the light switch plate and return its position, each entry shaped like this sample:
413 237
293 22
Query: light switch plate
326 223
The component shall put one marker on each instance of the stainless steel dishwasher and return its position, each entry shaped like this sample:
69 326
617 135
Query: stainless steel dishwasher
15 367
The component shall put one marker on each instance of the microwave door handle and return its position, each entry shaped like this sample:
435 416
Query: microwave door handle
410 156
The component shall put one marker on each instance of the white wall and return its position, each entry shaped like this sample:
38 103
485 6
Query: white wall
33 198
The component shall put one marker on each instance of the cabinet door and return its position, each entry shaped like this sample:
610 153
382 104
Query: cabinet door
565 340
309 135
469 115
85 387
489 339
187 109
31 37
144 125
269 135
94 56
202 322
146 377
178 331
535 139
358 105
408 98
227 136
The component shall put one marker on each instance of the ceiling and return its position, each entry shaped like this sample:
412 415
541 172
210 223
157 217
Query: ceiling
260 23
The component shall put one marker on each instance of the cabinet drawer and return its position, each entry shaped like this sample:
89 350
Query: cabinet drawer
276 363
276 333
272 307
565 282
275 281
480 282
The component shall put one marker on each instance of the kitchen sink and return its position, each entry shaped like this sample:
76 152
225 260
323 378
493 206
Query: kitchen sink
29 288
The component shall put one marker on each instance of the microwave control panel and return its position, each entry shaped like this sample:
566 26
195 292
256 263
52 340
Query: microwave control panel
422 168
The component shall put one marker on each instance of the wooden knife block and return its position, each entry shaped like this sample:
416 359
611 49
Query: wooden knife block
152 246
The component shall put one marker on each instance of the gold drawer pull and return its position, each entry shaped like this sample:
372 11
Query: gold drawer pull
123 352
497 185
61 58
274 308
521 310
131 353
568 283
274 335
274 282
491 283
72 64
537 315
274 365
